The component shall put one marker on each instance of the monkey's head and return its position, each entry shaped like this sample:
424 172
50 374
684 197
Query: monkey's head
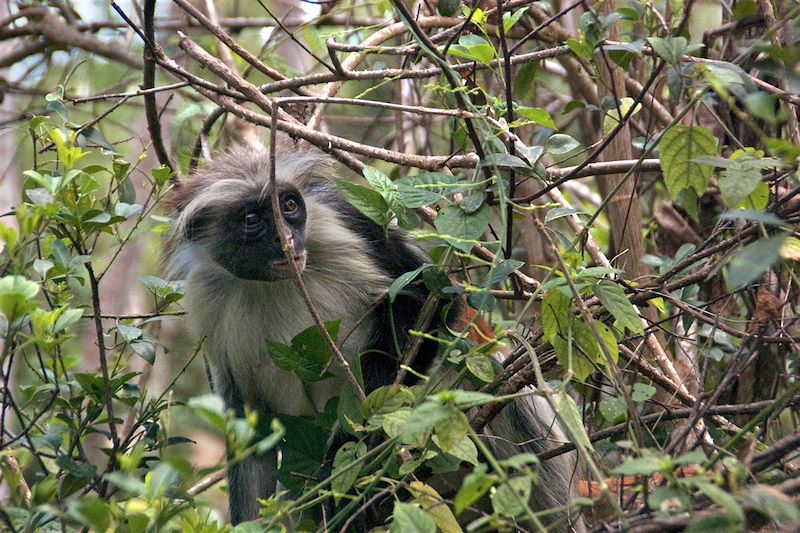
224 213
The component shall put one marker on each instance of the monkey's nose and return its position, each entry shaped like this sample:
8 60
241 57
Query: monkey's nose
289 240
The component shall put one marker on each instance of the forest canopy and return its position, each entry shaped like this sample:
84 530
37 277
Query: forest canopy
612 187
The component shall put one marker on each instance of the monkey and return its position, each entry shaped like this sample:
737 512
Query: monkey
239 294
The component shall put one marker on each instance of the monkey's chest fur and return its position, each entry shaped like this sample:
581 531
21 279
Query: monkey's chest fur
237 317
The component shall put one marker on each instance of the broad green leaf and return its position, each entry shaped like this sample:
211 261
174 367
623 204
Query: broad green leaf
580 48
537 115
404 279
642 466
613 298
211 409
642 392
480 366
473 487
447 8
474 48
393 423
16 293
570 416
431 500
725 500
423 418
769 219
344 474
561 144
679 146
772 503
753 260
462 230
613 116
501 270
410 518
426 188
368 202
757 200
450 431
668 500
613 409
91 512
387 399
556 314
377 179
670 49
510 19
510 497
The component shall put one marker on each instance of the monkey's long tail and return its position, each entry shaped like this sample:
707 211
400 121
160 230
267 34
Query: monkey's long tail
529 425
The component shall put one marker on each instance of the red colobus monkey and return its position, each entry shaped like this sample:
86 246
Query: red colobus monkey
239 294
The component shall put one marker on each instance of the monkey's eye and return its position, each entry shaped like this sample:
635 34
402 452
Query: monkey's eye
252 220
290 206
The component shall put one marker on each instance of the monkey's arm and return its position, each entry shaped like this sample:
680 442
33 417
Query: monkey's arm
253 477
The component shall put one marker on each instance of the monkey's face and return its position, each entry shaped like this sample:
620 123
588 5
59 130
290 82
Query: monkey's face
244 238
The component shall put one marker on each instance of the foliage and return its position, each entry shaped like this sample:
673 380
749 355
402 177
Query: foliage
102 412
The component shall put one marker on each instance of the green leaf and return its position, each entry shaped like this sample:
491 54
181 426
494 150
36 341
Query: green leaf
680 145
642 392
510 497
571 417
474 48
16 295
91 512
615 115
387 399
775 505
613 298
580 48
561 144
426 188
313 352
726 501
473 487
670 49
753 260
642 466
556 314
423 418
308 354
462 230
510 19
378 180
451 430
501 270
393 423
480 366
666 501
344 474
368 202
769 219
447 8
211 409
410 518
129 333
66 318
144 349
403 280
537 115
613 409
765 106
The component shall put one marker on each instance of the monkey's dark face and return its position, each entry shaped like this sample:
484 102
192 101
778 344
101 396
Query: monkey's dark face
244 238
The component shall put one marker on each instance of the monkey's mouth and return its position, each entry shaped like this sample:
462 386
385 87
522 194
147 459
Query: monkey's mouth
284 270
